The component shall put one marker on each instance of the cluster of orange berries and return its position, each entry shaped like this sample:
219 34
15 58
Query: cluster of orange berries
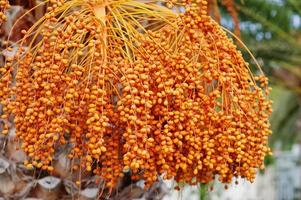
193 110
185 107
4 91
4 4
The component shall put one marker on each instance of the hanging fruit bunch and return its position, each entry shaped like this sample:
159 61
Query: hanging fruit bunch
136 87
4 4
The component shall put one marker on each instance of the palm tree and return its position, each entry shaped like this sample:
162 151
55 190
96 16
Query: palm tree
268 31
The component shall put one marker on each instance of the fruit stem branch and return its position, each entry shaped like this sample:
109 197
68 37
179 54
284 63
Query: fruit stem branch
100 13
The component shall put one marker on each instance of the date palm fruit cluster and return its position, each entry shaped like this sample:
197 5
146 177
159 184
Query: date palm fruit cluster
136 87
3 6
